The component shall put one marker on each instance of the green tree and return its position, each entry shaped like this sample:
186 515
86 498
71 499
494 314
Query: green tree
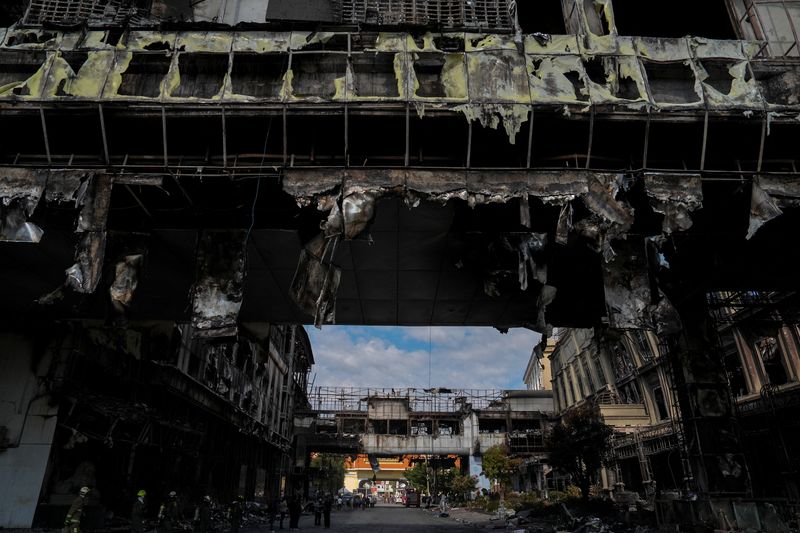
330 471
463 484
498 465
580 445
417 475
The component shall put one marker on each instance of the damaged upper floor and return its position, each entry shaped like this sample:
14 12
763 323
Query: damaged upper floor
492 78
773 23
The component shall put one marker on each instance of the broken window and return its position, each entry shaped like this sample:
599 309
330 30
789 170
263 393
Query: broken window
201 75
144 75
491 425
315 74
428 71
661 403
671 82
16 67
643 346
374 75
629 393
772 359
777 23
709 18
623 364
258 75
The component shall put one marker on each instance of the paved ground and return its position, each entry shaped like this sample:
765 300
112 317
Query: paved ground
386 519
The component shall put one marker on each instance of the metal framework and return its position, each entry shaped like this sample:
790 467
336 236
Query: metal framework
356 399
76 11
451 14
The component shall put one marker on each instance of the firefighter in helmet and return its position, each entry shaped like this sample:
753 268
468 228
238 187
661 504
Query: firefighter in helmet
72 522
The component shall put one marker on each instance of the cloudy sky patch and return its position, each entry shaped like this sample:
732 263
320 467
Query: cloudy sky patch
460 357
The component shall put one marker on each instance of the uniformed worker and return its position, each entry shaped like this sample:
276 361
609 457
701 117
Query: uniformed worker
202 515
168 514
235 513
72 523
137 513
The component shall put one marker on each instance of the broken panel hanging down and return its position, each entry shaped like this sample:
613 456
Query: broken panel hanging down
219 287
316 281
85 274
20 191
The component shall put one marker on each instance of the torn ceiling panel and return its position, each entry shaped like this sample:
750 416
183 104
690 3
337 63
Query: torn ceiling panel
20 191
316 281
84 276
627 288
770 195
126 279
95 197
218 290
675 196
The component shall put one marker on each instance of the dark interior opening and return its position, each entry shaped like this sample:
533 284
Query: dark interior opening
428 69
315 139
675 145
544 16
374 75
315 74
202 75
377 140
671 82
258 75
18 66
447 43
708 18
718 75
144 75
438 140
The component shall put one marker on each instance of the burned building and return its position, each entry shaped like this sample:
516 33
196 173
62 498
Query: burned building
152 407
626 379
571 163
437 422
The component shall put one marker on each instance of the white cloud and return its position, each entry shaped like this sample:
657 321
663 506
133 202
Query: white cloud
480 358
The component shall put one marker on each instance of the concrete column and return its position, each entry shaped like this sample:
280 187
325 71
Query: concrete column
31 421
753 371
713 445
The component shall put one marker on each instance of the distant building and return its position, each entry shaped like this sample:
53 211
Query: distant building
537 374
625 376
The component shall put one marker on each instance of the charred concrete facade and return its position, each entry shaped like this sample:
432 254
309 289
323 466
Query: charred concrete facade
149 406
574 163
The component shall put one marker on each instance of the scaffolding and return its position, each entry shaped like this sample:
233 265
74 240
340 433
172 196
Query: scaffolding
448 14
354 400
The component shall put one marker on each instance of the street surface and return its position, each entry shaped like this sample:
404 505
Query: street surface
384 518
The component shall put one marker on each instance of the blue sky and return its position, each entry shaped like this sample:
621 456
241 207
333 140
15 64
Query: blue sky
357 356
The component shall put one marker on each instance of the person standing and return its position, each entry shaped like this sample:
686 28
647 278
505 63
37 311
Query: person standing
284 510
202 515
72 522
137 513
235 513
295 508
318 512
168 514
326 510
